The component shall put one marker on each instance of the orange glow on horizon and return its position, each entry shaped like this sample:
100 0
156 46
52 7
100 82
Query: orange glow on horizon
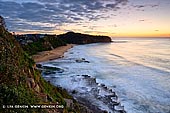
105 34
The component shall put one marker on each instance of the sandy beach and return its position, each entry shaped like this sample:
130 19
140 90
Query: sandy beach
52 54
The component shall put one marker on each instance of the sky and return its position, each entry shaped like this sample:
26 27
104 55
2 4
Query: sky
115 18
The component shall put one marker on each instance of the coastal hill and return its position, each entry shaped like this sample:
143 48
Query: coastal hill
33 43
78 38
22 84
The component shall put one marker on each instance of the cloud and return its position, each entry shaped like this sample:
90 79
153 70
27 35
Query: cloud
10 9
32 6
142 20
139 6
142 6
110 5
57 12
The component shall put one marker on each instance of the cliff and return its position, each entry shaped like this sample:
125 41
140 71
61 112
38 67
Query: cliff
22 84
78 38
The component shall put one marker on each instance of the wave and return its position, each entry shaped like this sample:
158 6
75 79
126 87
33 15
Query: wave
142 86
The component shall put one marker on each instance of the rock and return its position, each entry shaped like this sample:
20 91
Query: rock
82 60
31 82
38 65
61 56
105 111
116 103
86 76
119 108
69 102
105 88
99 97
37 88
114 98
95 91
102 85
93 81
110 91
74 92
51 70
86 61
49 98
79 60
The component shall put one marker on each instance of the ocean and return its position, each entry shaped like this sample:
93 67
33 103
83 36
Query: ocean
137 70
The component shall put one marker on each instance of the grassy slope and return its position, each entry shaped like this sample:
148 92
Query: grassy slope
21 83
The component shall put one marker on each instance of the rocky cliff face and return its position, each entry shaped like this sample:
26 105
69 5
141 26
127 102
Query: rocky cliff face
78 38
22 84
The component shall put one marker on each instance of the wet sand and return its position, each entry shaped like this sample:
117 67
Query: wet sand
52 54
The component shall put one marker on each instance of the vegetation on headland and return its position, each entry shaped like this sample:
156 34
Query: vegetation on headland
78 38
49 42
33 43
22 84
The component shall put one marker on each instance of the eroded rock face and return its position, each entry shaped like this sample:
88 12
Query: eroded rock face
99 93
37 88
86 90
31 83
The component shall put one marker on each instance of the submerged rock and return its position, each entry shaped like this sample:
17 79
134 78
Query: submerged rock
47 70
74 92
51 68
38 65
81 60
86 76
91 92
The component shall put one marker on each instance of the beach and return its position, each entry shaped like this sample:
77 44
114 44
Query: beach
52 54
139 76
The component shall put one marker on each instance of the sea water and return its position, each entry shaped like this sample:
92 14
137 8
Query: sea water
138 70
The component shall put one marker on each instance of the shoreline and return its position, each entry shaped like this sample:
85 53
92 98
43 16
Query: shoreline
84 101
56 53
51 54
